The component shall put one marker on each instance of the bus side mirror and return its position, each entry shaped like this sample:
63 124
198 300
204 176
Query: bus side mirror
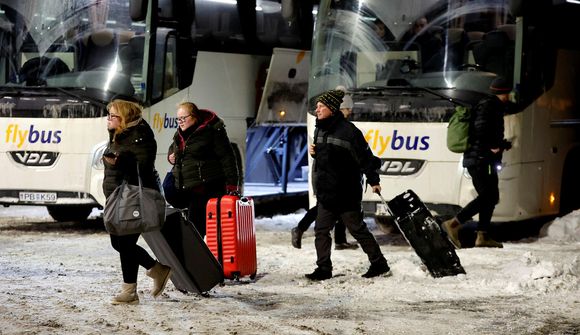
138 10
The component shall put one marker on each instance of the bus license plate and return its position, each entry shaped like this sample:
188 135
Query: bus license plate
37 197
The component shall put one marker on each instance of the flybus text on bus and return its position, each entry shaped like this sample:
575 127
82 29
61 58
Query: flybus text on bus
31 135
379 142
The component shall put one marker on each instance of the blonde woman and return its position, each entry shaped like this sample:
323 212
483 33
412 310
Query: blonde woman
131 141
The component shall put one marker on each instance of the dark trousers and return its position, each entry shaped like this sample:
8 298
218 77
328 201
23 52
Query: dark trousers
353 220
485 181
132 255
198 203
310 216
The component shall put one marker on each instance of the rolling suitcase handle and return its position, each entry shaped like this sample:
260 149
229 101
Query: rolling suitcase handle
384 202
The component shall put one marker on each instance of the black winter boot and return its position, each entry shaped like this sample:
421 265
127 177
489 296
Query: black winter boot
319 274
345 246
377 269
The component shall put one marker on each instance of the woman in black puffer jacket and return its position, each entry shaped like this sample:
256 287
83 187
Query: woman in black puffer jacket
204 164
131 140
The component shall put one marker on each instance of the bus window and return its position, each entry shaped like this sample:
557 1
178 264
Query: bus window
170 80
131 58
217 26
165 79
276 23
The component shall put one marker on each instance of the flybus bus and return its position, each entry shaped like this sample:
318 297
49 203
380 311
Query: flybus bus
62 61
407 64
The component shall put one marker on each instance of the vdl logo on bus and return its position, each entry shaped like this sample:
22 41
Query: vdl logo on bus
400 167
34 158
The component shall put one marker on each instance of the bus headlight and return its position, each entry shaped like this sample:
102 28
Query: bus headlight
98 156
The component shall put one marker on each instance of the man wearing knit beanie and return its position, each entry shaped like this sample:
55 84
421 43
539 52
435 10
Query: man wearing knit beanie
341 156
332 99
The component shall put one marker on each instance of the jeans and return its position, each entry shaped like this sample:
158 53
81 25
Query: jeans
485 181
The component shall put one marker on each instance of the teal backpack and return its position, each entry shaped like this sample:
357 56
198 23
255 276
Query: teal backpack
458 130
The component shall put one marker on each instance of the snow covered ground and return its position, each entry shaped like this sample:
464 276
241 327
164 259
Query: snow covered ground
57 278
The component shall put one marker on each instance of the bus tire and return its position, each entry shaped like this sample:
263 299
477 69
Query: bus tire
569 199
69 213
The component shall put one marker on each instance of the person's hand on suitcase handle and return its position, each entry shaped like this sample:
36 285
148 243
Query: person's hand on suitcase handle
377 189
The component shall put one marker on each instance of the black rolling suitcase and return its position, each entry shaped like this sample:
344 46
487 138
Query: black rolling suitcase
180 246
424 235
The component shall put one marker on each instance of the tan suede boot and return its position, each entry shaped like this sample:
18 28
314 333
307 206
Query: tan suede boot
451 228
128 295
160 274
484 241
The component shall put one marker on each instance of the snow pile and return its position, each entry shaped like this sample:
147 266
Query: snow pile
565 229
532 273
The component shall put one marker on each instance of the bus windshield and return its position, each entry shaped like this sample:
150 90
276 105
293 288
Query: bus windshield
420 44
68 44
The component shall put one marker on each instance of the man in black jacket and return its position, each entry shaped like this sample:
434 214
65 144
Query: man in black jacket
341 156
482 157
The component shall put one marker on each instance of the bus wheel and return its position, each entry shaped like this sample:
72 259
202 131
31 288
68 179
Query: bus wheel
569 199
69 213
387 224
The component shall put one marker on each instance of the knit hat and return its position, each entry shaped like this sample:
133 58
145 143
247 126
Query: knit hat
346 100
332 99
500 86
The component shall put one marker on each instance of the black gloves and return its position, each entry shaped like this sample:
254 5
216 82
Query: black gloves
506 145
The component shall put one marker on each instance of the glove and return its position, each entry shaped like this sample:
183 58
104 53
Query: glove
506 145
232 189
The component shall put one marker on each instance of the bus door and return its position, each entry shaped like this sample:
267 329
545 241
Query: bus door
277 141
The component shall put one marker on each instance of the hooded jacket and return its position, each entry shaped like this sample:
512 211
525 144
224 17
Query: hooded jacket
135 144
342 156
203 153
486 132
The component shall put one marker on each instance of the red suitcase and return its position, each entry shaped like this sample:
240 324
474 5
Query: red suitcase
231 235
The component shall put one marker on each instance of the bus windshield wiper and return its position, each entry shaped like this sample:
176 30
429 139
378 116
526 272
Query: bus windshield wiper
402 86
76 96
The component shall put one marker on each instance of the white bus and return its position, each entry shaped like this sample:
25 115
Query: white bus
435 54
61 61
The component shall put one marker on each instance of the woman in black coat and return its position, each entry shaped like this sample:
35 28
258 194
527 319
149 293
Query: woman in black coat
204 164
131 141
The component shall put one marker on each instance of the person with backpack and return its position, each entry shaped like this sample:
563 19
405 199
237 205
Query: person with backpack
485 145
